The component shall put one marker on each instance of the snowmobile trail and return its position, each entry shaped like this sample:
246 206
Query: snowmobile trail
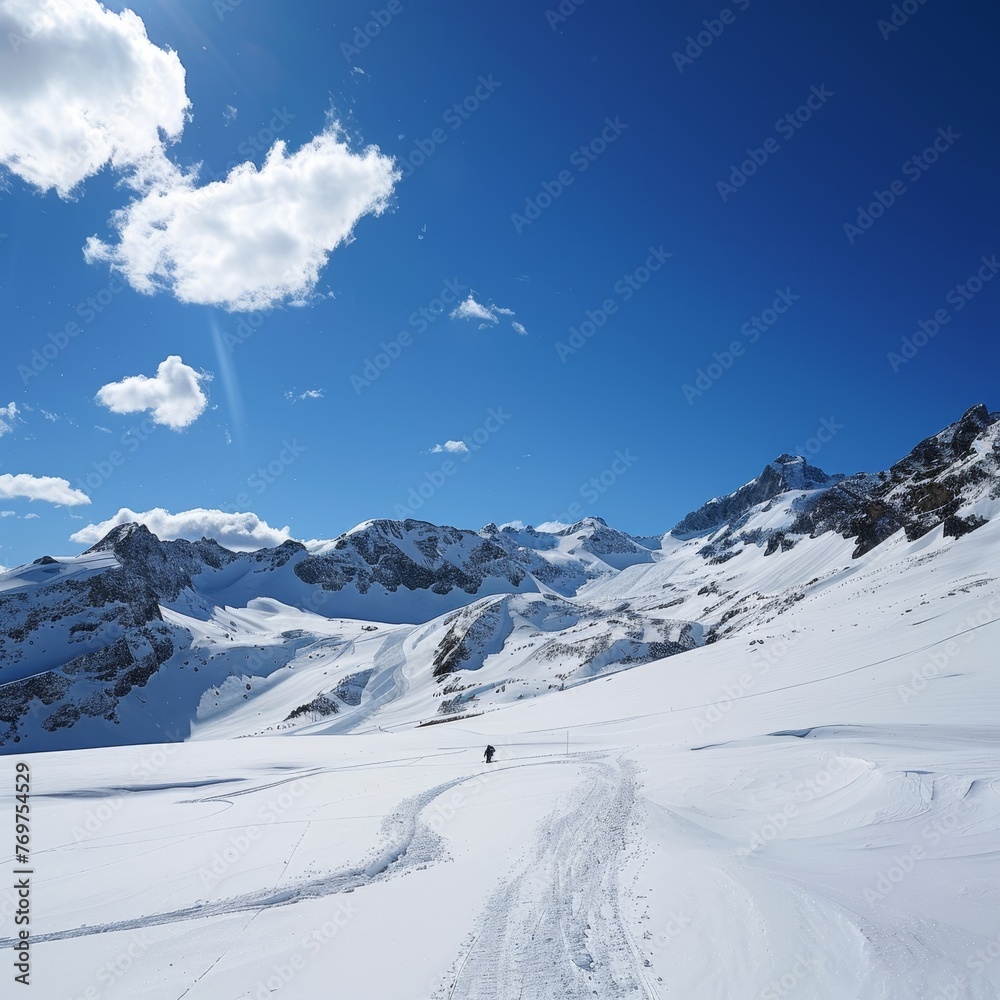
555 930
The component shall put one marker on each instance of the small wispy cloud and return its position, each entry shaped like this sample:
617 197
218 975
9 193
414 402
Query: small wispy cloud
471 309
295 397
8 417
229 113
453 447
486 315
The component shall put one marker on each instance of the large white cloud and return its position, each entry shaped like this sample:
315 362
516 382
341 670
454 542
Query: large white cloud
174 395
82 87
257 239
241 532
49 488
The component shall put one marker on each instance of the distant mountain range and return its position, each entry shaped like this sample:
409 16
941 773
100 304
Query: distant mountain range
140 640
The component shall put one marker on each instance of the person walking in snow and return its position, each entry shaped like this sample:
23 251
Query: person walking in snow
490 751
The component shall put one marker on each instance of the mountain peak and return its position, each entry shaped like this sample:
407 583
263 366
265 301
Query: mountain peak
120 534
785 473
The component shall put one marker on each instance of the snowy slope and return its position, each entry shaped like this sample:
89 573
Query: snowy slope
807 809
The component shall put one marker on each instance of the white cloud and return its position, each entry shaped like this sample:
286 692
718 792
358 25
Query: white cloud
82 87
174 394
455 447
296 397
8 414
31 517
229 113
241 532
471 309
8 513
48 488
257 239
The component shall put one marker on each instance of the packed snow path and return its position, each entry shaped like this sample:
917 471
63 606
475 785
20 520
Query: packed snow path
554 929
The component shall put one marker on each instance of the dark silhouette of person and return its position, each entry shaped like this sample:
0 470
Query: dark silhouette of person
490 751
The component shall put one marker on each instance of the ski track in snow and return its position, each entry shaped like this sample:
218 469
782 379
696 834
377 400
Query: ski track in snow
407 844
555 930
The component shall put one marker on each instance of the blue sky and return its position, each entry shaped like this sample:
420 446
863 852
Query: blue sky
694 237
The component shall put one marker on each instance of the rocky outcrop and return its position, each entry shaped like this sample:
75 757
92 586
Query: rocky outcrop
930 487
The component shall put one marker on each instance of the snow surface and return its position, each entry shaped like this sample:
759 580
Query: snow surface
808 807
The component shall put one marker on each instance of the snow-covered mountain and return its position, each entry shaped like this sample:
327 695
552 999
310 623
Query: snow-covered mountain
140 640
